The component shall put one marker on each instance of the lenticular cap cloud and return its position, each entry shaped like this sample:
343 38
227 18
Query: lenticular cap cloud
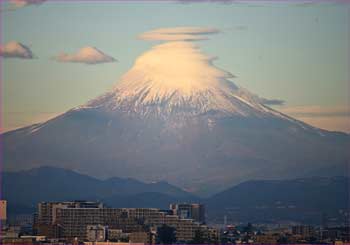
15 49
86 55
179 34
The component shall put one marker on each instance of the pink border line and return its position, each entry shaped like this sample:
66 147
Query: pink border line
151 1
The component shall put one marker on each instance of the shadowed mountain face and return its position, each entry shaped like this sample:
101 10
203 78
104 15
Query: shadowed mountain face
303 200
198 156
187 124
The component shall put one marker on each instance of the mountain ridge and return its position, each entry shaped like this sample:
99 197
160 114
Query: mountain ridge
298 200
57 184
305 200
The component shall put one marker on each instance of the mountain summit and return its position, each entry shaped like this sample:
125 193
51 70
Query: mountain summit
176 77
174 116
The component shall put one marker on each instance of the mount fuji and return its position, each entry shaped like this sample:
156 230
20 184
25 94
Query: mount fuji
174 116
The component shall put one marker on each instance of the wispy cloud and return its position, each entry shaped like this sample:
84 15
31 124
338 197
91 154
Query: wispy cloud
334 118
24 3
318 111
15 49
179 34
271 101
18 4
86 55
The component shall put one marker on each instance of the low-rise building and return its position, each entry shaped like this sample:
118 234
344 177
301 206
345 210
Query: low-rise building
303 230
96 233
117 235
140 237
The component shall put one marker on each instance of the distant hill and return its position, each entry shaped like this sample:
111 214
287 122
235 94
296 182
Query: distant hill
24 189
303 200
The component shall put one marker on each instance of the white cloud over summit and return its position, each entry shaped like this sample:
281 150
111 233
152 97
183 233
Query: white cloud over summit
179 34
15 49
87 55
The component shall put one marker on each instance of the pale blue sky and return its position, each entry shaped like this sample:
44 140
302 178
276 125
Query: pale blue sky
294 52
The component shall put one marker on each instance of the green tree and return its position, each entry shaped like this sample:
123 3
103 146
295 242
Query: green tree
198 237
166 234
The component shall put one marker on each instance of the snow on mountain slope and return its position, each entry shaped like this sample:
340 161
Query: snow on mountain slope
177 77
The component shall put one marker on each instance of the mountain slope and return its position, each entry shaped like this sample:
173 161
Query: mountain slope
174 116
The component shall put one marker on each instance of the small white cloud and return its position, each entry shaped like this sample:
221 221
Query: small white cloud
15 49
178 34
24 3
87 55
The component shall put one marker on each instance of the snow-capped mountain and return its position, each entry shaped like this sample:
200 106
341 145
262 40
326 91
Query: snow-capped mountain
175 116
176 77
